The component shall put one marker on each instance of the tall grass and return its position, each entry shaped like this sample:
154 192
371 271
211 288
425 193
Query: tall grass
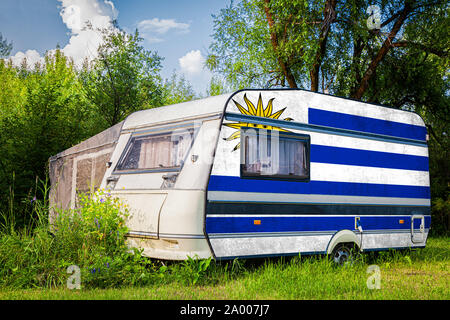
92 237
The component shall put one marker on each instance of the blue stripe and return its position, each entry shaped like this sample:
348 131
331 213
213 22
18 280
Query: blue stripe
230 183
365 124
356 157
306 224
277 224
321 129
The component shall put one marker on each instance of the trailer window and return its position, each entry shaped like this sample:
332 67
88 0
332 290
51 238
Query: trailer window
159 152
274 154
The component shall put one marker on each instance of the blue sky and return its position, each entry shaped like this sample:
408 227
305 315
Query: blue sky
179 30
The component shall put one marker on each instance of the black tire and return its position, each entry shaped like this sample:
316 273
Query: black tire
342 254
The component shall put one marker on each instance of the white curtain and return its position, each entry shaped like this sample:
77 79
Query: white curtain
164 151
155 153
273 156
291 157
181 148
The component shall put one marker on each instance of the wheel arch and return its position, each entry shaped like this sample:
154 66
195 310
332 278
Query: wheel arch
343 236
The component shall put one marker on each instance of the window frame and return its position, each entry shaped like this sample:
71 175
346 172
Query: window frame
305 138
136 136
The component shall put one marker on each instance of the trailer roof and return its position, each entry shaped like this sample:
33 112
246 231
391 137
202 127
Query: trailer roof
216 105
186 110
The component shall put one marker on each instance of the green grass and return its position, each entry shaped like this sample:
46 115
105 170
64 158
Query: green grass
33 265
409 275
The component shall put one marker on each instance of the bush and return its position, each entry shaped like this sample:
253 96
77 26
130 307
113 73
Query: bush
440 220
91 237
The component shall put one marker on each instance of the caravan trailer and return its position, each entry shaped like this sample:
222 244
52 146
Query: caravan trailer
259 173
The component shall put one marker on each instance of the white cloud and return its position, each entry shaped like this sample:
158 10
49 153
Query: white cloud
153 29
32 57
83 43
192 62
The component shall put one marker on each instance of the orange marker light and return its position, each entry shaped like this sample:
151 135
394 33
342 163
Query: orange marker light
257 222
401 221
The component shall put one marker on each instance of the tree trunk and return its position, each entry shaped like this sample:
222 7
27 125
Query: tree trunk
329 15
387 44
274 39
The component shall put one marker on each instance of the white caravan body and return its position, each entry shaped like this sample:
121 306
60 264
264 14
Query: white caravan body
259 173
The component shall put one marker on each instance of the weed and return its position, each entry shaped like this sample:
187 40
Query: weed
193 269
92 236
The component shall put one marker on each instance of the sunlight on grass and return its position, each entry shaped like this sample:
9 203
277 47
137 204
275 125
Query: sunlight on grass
411 274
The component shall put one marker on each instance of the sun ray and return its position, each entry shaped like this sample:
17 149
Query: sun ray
259 111
277 114
235 135
236 147
269 108
241 108
251 107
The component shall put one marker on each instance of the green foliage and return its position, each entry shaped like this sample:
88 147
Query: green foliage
177 89
195 269
49 107
99 221
42 111
441 216
5 47
217 86
91 237
241 50
123 78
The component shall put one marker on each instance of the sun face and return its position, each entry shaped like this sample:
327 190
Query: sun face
259 111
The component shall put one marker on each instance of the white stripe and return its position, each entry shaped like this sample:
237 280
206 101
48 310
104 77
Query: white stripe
311 198
389 240
346 173
229 247
226 247
365 144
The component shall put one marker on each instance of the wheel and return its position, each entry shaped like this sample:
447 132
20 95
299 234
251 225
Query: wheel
342 254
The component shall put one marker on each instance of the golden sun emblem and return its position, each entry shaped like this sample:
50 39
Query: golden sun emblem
259 111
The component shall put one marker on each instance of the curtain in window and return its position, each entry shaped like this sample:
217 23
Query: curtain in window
265 155
181 148
164 151
155 153
252 162
291 157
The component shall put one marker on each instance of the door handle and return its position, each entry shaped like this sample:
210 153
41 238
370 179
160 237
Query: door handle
358 224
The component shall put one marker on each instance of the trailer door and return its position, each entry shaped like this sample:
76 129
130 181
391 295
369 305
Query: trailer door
144 210
147 168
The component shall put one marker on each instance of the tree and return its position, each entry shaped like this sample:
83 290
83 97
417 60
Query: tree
217 86
5 47
310 44
123 78
177 89
43 112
